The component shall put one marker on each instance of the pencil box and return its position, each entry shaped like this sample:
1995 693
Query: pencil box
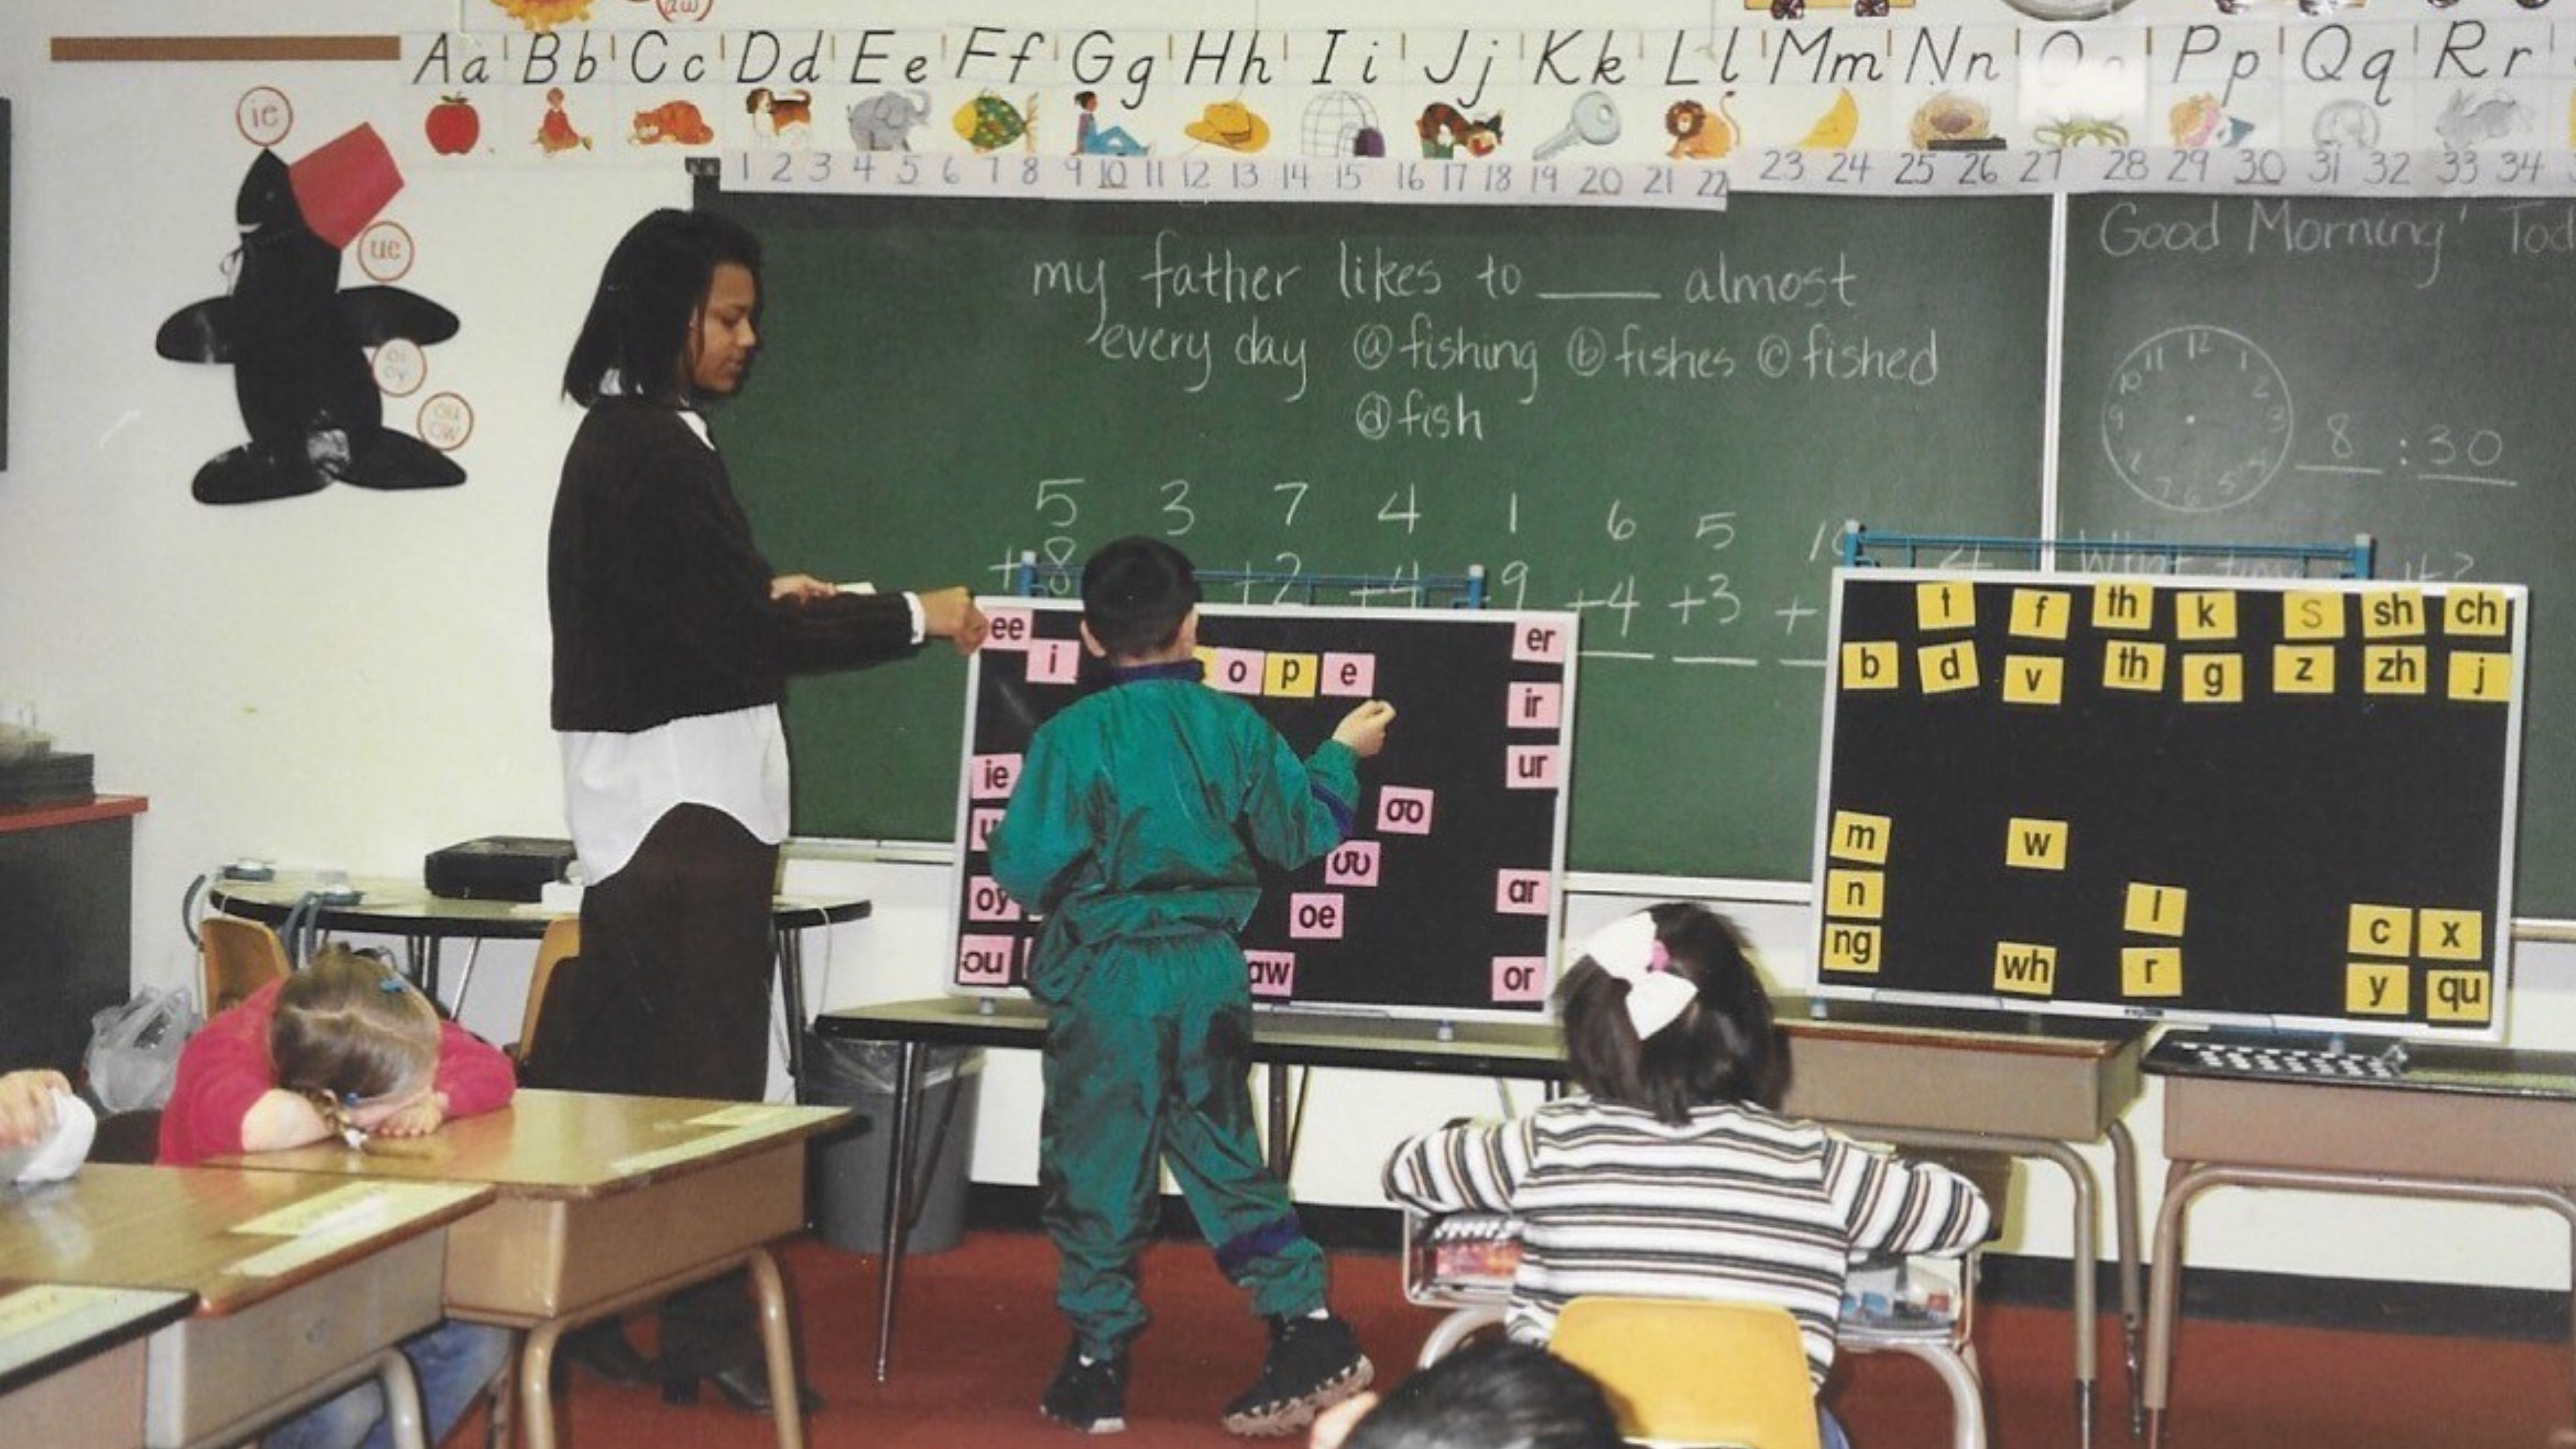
497 867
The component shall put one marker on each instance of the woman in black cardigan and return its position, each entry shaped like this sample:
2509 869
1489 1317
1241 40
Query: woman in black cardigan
673 642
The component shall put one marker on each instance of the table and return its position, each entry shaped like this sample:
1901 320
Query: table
2007 1085
303 1285
2468 1124
392 906
605 1203
71 1361
66 925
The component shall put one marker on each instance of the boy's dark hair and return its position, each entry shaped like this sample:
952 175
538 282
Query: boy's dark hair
1135 593
649 293
1488 1394
347 1027
1720 1049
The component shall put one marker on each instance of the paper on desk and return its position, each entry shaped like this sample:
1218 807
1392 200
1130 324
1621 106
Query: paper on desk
320 1226
745 1124
49 1318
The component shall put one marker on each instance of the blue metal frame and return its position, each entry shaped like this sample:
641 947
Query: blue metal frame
1469 586
2358 559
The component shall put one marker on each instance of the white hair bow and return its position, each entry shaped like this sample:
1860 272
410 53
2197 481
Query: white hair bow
1629 949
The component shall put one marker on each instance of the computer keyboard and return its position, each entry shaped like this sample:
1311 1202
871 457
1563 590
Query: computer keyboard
2255 1059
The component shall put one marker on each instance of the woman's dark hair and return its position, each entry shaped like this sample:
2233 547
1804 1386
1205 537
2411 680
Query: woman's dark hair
1720 1049
1135 593
648 296
349 1029
1493 1395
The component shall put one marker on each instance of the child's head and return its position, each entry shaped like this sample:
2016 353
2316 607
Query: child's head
1664 1012
1137 595
1492 1393
349 1029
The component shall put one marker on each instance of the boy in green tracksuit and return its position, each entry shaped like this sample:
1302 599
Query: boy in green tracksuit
1133 830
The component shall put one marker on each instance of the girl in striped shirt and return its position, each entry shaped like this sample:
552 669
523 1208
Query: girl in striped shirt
1673 1177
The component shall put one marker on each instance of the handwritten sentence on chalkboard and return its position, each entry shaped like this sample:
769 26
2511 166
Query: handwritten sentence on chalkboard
1144 317
2199 672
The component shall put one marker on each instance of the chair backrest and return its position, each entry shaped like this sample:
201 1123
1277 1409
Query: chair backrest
235 958
562 940
1682 1371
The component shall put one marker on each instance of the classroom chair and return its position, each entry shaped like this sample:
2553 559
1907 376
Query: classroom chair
236 957
1690 1371
561 942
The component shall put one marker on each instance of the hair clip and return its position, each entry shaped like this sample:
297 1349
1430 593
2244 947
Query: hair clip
1629 949
391 986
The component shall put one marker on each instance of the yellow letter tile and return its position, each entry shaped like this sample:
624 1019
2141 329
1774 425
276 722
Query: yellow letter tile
2464 996
2482 678
2202 616
1860 837
2133 665
1292 676
2303 669
2394 669
2311 614
2034 679
1945 604
2150 971
2154 910
2124 606
1948 668
1851 947
2035 844
1870 664
2453 935
2213 678
2041 613
2392 614
1859 893
2375 988
2380 931
2475 611
2025 969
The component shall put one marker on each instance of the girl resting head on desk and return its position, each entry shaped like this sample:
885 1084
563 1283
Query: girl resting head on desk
344 1048
1675 1177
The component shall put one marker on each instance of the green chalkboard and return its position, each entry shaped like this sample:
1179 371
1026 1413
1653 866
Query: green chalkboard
1656 420
2301 370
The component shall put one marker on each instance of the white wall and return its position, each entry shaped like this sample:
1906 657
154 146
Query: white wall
353 679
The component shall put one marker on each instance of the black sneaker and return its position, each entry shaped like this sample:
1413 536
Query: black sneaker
1314 1363
1091 1397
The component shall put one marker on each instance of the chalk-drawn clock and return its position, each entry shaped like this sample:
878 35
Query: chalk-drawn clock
2197 419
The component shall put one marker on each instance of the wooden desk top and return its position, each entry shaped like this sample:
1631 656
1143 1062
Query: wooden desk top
569 1144
392 905
45 1327
46 817
232 1238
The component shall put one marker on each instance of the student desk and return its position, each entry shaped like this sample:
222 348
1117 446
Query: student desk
390 906
302 1285
2003 1086
71 1361
605 1203
2461 1124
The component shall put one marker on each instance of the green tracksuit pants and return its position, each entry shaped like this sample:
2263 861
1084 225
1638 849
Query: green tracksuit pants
1148 1064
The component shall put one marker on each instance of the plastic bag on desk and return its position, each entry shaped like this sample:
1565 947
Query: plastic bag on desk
134 1049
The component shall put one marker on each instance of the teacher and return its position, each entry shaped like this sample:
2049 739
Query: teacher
673 642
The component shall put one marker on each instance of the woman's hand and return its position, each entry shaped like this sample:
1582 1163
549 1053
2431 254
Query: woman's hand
1364 729
951 614
788 588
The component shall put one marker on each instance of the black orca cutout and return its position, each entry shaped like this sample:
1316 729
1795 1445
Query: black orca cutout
295 342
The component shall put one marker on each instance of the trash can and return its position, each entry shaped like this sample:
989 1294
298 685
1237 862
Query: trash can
851 1167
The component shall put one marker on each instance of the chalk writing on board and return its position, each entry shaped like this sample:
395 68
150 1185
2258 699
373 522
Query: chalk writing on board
2198 419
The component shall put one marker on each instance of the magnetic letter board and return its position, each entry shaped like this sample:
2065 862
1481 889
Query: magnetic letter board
2283 803
1445 902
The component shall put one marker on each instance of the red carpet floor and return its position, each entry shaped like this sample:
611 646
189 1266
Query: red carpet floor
977 1336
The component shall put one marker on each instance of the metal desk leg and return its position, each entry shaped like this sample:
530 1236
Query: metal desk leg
2124 1208
779 1348
2183 1179
420 951
788 946
1283 1118
907 1114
